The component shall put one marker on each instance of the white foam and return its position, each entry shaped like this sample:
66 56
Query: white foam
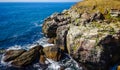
47 45
38 25
29 46
42 41
53 65
41 20
5 63
16 47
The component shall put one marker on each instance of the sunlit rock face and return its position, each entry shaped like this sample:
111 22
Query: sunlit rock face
94 44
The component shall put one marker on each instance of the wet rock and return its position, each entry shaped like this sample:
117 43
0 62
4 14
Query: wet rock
12 54
2 51
42 59
52 52
27 57
51 40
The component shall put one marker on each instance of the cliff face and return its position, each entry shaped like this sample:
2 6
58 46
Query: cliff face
88 33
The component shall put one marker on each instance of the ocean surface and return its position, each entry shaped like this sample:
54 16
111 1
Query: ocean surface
20 23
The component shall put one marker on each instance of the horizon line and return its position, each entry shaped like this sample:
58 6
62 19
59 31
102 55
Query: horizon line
38 1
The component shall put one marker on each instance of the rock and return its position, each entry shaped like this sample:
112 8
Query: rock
74 14
106 12
96 50
52 31
27 57
52 52
97 16
93 7
52 23
118 68
12 54
61 37
96 46
51 40
42 59
2 51
85 17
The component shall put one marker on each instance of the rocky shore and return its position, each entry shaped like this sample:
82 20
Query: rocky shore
90 38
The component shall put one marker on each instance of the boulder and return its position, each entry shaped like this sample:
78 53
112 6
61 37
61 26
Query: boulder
85 17
12 54
27 57
52 52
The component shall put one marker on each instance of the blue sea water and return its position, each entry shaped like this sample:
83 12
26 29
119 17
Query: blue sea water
20 23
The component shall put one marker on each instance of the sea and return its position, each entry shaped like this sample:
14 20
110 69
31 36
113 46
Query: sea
21 23
21 28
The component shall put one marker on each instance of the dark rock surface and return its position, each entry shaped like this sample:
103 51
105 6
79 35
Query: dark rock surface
27 57
12 54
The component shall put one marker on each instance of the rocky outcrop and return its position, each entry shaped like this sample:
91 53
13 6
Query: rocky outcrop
82 39
85 46
53 22
12 54
61 37
27 57
52 52
22 58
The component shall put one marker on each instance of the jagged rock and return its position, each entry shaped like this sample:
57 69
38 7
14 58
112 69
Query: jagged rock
85 17
74 14
52 23
12 54
97 16
61 37
94 45
27 57
52 52
95 49
42 59
51 40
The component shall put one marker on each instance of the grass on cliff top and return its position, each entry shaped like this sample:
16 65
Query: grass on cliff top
93 5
